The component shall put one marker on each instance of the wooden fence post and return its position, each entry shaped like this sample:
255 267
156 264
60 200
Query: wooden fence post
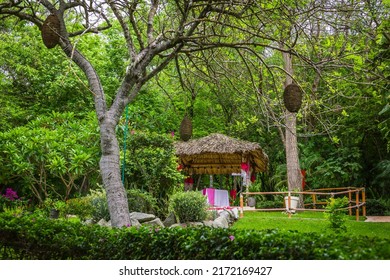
314 198
350 202
241 205
364 201
357 205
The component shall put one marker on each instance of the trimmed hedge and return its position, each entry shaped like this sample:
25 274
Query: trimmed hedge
31 237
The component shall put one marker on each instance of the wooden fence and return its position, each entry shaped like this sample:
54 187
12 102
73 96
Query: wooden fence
356 200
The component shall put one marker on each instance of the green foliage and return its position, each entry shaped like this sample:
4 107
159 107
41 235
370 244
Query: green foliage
378 207
80 206
99 204
151 165
189 206
264 204
335 213
380 184
140 201
34 80
51 155
329 166
32 237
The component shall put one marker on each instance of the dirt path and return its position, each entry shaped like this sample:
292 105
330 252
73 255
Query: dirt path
378 219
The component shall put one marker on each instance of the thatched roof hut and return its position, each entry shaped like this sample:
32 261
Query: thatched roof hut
219 154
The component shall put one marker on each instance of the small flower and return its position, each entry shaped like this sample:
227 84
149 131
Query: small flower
10 194
231 237
128 225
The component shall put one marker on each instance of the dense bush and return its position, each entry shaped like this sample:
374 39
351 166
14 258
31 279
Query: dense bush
52 155
99 205
32 237
336 213
189 206
140 201
378 207
269 204
151 165
80 206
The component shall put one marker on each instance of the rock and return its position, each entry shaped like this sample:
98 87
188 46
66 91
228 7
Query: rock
142 217
176 225
235 213
224 213
170 220
135 223
155 222
88 222
221 222
208 223
104 223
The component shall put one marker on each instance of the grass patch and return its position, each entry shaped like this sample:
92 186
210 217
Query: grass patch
306 222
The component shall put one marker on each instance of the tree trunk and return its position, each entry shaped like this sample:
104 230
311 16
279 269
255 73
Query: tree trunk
294 176
110 159
111 176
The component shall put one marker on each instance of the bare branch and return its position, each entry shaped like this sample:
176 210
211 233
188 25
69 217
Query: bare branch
125 29
152 13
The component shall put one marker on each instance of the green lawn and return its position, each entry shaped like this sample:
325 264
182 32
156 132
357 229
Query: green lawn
308 222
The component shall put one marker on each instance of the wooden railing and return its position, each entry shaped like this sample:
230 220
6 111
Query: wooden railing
357 201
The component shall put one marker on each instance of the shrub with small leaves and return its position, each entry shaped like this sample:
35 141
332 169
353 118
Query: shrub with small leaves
80 206
189 206
336 214
140 201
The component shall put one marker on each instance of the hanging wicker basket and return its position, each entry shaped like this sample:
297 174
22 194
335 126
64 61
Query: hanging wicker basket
50 31
186 128
292 98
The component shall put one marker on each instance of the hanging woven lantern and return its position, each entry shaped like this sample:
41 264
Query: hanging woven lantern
50 31
292 98
186 128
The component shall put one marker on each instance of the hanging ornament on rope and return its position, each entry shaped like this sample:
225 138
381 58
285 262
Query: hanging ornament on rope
51 31
292 98
186 128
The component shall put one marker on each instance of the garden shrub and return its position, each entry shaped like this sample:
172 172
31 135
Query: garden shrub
335 213
34 237
99 205
140 201
378 207
32 157
189 206
264 204
80 206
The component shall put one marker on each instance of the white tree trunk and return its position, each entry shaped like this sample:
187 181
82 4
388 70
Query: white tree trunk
294 176
111 176
110 159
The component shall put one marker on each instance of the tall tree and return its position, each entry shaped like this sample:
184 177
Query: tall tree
154 31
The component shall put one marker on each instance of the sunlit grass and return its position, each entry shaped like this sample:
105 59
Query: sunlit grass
309 222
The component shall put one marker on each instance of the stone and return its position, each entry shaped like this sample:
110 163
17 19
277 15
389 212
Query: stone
221 222
170 220
135 223
235 213
88 222
176 225
155 222
142 217
208 223
104 223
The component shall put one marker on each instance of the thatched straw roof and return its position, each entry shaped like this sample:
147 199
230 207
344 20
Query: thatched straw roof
219 154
